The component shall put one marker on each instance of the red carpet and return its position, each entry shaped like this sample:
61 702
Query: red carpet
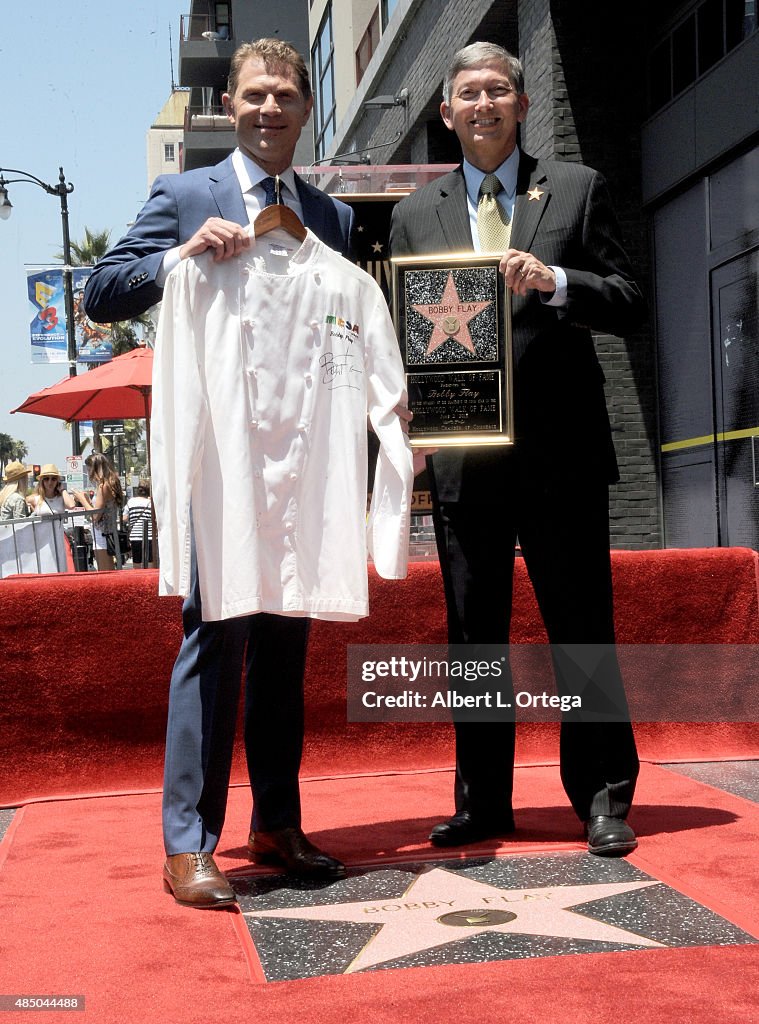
84 913
85 663
86 660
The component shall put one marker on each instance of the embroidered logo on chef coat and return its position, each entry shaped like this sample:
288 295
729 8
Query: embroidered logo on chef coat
338 321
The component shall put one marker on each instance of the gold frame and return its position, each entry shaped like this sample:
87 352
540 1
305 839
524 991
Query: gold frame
500 432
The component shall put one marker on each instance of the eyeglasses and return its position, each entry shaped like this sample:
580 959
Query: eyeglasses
495 92
45 479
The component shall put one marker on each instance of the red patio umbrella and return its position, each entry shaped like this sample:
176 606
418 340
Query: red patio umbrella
118 390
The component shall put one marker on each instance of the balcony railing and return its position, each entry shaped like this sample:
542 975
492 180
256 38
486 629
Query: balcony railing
203 26
206 119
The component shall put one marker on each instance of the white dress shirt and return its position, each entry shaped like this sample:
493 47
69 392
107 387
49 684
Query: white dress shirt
250 176
266 367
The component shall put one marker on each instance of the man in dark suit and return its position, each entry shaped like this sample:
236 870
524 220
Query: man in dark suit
268 101
568 273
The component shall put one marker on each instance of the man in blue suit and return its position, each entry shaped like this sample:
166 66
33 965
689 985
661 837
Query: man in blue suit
268 101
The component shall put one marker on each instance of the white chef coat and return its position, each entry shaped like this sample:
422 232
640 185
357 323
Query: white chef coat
266 367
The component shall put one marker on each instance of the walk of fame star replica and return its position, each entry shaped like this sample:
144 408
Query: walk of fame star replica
452 316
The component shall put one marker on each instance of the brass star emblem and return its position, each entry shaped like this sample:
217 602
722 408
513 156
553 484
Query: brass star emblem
534 193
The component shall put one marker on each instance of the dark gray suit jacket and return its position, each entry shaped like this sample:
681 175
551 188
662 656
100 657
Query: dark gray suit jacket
122 284
561 422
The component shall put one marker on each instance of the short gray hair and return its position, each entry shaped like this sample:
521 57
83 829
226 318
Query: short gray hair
477 54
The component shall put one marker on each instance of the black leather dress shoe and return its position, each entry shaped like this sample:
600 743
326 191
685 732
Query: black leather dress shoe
609 837
194 881
463 828
290 849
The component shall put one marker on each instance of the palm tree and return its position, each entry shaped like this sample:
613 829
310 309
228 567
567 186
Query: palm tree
125 334
11 449
92 248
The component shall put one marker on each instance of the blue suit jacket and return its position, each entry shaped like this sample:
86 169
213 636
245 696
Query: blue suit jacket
123 284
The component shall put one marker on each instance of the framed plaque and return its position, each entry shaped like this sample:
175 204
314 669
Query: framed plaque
452 316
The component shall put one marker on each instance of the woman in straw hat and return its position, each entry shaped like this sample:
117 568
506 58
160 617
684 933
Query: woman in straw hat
13 504
51 496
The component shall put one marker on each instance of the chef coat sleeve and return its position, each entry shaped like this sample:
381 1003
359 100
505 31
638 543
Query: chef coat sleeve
390 510
179 413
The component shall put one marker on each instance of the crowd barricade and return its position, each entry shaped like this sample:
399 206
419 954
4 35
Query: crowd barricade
56 542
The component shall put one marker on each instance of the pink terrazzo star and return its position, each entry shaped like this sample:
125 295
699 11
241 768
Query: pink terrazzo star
450 317
441 906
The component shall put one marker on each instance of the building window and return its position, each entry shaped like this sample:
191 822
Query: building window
702 38
168 152
388 6
221 17
367 46
323 77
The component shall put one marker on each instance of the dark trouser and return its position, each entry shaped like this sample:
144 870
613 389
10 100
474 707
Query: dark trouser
136 546
564 537
203 702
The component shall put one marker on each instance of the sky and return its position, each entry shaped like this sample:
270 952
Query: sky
81 84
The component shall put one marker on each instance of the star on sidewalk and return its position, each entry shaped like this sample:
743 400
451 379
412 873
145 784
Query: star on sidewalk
450 316
440 907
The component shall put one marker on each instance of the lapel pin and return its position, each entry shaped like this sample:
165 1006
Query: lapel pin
534 193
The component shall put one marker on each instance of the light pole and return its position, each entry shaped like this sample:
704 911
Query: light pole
62 190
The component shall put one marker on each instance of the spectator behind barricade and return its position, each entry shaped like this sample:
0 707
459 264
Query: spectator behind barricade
138 516
109 498
13 500
51 496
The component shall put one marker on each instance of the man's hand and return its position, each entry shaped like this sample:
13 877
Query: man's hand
523 272
419 454
225 237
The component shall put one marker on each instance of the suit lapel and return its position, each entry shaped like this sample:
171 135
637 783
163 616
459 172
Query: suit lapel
453 212
313 208
225 189
528 210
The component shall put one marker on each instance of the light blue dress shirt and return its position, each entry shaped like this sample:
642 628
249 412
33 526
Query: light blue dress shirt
507 175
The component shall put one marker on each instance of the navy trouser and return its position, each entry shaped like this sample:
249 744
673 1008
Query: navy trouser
203 703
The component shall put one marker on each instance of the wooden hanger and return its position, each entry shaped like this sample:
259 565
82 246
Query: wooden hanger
279 216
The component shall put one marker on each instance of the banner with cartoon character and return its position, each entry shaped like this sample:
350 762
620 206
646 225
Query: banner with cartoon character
47 319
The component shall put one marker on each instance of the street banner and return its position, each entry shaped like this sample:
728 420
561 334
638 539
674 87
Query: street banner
47 319
47 312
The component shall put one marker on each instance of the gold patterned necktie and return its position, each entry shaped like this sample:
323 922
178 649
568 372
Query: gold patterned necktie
493 223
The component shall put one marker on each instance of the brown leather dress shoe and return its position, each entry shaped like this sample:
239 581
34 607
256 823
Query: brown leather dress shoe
195 881
289 848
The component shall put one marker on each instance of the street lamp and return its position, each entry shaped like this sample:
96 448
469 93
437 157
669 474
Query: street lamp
62 190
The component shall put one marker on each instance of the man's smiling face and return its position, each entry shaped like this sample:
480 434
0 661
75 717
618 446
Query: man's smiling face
484 112
268 111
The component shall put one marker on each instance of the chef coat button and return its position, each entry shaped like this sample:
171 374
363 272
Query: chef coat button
301 426
293 476
314 324
307 378
247 322
254 424
288 525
